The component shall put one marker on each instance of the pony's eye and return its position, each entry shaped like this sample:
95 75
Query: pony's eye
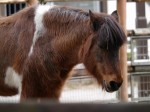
102 47
99 58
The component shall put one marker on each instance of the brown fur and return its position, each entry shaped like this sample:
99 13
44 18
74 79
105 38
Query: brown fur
71 36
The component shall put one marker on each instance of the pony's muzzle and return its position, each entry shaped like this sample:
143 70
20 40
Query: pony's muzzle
112 86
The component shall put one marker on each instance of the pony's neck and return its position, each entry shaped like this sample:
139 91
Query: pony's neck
71 45
68 32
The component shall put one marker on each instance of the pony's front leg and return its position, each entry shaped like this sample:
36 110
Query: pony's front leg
35 86
5 90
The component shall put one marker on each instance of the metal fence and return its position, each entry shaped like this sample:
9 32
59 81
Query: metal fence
140 86
86 89
78 89
13 8
140 61
140 50
10 8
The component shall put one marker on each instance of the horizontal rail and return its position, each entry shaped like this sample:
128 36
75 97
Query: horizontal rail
19 1
56 107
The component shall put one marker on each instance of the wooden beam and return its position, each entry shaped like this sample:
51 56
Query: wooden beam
11 1
31 2
121 8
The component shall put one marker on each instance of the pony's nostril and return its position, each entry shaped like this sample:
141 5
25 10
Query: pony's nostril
114 85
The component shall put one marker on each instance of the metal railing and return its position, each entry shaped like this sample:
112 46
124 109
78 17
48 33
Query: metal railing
57 107
78 90
13 8
140 50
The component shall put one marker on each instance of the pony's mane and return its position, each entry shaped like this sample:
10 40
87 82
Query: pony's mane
68 14
111 34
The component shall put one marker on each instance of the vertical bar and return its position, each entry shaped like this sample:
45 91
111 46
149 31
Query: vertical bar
141 21
20 6
9 9
15 5
121 7
132 53
132 92
103 6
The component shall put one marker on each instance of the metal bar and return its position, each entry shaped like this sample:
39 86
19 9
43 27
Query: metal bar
131 85
140 37
15 8
20 6
140 74
103 6
55 107
132 53
9 9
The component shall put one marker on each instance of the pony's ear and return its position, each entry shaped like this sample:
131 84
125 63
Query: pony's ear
94 21
115 15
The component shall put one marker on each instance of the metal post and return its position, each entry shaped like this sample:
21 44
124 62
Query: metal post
121 7
103 6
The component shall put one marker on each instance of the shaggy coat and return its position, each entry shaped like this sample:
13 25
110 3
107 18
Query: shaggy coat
40 45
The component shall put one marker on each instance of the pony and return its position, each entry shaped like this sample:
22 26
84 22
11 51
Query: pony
40 45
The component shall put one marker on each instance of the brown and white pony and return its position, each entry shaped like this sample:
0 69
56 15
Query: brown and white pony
41 44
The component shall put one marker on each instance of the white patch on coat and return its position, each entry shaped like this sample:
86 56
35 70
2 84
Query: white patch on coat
13 79
38 20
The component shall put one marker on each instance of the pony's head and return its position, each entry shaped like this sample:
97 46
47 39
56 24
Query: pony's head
102 50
